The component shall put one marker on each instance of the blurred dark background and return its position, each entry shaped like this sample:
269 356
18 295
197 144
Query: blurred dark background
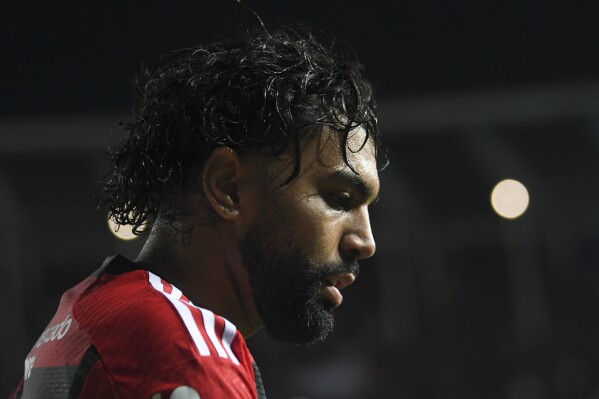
458 302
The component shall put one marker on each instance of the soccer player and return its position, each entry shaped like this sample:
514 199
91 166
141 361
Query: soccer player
252 162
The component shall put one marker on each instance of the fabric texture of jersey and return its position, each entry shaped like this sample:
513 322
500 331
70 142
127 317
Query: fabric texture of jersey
125 333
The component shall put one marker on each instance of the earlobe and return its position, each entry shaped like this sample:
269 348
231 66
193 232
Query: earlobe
220 178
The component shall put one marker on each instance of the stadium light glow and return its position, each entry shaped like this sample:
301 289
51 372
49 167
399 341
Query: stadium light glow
509 199
122 232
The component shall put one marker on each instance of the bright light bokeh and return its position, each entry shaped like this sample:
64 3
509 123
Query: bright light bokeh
122 232
509 199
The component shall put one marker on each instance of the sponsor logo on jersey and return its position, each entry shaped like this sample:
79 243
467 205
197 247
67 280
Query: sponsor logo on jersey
55 332
28 366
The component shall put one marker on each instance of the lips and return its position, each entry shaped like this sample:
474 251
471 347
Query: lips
333 284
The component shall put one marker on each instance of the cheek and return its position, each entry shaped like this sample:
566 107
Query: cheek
319 228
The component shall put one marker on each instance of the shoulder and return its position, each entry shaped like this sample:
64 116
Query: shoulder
123 304
150 336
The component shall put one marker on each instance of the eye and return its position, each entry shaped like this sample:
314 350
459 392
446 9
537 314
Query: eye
340 200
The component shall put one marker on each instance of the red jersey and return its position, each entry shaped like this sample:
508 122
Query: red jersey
124 333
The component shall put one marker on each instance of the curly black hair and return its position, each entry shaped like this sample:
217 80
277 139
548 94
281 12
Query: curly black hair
266 90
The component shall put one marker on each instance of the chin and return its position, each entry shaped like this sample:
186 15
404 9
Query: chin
308 327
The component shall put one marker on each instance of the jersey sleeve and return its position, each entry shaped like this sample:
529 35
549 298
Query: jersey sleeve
98 383
184 380
211 380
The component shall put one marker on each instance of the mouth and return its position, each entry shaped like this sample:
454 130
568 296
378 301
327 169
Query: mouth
333 284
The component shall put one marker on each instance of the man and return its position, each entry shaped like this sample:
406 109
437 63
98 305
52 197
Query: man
254 161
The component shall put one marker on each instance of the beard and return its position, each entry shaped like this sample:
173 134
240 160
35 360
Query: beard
287 285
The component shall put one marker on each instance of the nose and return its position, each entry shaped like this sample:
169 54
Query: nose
358 242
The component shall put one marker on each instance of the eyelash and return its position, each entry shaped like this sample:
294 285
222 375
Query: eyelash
340 201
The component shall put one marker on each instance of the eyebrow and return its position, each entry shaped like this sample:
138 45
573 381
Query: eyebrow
358 182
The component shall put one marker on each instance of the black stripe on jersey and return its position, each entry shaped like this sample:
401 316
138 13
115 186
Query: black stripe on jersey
60 382
260 392
87 362
49 382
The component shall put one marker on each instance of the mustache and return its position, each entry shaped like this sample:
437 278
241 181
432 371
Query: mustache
338 268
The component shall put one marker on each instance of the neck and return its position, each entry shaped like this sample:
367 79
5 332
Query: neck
201 263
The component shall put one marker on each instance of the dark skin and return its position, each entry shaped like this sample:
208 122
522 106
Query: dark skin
326 207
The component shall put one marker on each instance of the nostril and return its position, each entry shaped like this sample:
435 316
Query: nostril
350 255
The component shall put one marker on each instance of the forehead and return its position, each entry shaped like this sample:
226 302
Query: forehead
329 148
329 154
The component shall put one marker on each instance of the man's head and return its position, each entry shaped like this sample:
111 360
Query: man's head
302 116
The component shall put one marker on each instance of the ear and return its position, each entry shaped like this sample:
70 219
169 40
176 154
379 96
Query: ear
220 178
